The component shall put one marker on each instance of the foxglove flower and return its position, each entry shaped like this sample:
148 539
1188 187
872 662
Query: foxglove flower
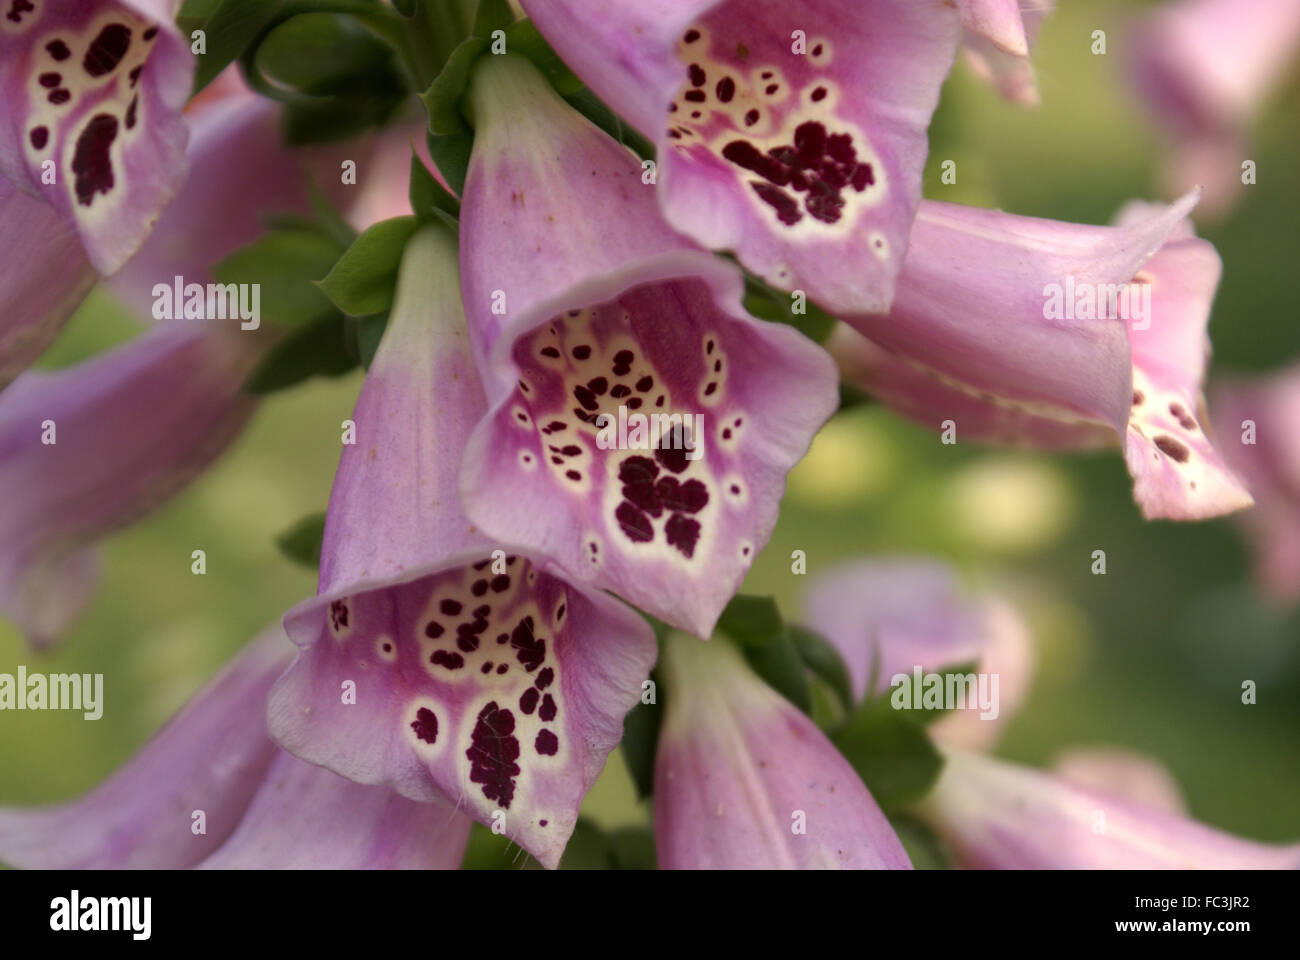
997 36
744 780
1014 329
434 660
1259 423
611 320
46 276
893 616
995 815
211 789
91 119
1204 67
793 135
87 449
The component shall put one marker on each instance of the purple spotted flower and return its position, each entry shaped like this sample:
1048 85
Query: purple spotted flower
1259 429
90 121
996 38
744 780
1058 335
642 423
212 790
995 815
793 134
434 660
896 614
87 449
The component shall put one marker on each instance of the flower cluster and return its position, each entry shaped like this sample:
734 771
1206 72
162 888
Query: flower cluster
638 217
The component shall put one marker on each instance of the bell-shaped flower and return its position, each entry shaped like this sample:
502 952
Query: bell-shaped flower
1259 429
1016 330
996 815
794 135
903 616
996 38
434 660
90 119
1203 68
211 789
642 422
87 449
745 780
46 276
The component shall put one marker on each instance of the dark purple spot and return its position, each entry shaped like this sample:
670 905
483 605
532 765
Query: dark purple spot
819 94
585 397
598 385
695 96
771 88
58 50
60 96
504 668
433 630
726 89
425 725
486 668
528 700
107 50
689 497
690 37
636 470
447 658
338 614
451 608
1172 448
787 208
682 532
697 75
151 33
634 523
1137 398
492 754
581 352
90 162
548 709
573 475
544 679
551 352
130 113
479 588
751 118
529 649
547 744
39 137
672 458
50 80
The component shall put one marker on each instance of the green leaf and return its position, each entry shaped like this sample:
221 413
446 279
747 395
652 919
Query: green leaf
333 119
927 715
450 154
777 661
640 740
370 331
891 752
923 846
748 619
442 99
523 38
321 349
285 263
632 848
427 194
768 304
824 660
594 109
230 30
492 15
588 848
301 542
329 222
362 281
324 54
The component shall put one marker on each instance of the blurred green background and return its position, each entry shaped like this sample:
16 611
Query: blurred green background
1150 656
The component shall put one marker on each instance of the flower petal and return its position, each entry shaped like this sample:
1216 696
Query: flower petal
45 278
1177 472
994 815
744 780
88 449
1130 776
998 36
1258 422
796 140
1203 67
211 757
308 818
896 614
92 120
609 313
435 661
